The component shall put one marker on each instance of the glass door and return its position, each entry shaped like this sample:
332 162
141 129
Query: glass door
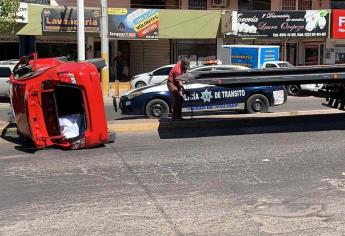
313 54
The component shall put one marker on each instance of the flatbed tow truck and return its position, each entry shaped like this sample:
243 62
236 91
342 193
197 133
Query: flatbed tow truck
333 76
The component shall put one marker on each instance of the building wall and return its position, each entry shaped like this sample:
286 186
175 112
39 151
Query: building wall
276 5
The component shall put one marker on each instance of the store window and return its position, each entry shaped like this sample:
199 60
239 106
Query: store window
197 51
296 4
57 50
338 4
160 4
313 54
254 4
9 51
197 4
340 54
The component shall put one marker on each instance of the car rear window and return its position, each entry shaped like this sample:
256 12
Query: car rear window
5 72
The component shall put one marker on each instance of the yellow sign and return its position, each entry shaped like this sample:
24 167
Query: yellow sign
147 22
117 11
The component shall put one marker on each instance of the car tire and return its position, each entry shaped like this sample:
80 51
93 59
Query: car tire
293 90
257 103
157 109
140 84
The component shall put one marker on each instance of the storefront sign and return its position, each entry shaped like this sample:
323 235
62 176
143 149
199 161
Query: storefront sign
22 14
282 24
65 19
338 24
133 23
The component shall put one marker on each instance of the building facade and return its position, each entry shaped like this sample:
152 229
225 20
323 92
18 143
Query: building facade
186 28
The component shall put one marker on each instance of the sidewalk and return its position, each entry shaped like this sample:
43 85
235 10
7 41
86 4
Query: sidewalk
152 125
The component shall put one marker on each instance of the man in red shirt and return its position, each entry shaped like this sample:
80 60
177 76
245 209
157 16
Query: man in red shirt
176 88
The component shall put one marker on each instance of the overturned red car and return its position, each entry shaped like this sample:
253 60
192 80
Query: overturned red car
59 103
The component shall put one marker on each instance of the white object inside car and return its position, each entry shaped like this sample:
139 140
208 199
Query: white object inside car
70 125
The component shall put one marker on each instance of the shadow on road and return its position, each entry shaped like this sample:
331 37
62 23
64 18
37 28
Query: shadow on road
208 127
10 134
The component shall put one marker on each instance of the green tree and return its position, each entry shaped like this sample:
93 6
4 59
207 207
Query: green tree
8 15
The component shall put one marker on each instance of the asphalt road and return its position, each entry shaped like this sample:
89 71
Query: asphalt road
293 104
280 176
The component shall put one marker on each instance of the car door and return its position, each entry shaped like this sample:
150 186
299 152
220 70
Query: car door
5 73
159 75
201 97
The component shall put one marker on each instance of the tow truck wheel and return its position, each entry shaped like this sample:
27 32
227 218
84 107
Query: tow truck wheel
293 90
140 84
157 108
257 103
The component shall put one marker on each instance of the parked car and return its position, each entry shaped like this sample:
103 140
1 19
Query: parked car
6 68
154 77
293 89
59 103
155 101
160 74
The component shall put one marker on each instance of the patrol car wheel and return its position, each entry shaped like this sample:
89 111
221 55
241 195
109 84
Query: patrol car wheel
157 108
140 84
257 103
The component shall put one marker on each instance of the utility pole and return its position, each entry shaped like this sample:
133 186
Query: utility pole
81 30
105 47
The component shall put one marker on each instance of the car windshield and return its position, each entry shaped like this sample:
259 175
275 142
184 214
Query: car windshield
284 64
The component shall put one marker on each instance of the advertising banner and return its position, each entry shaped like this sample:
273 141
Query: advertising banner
282 24
338 24
133 23
65 19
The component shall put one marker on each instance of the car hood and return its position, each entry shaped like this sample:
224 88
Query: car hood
139 75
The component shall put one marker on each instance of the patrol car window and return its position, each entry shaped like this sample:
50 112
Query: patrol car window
5 72
271 66
162 71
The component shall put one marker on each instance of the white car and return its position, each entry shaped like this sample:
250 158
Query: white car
160 74
154 77
293 89
6 68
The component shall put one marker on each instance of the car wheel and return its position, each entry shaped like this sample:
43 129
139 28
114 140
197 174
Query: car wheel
140 84
293 90
257 103
157 108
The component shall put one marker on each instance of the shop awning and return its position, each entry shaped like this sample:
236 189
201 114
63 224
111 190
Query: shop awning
188 24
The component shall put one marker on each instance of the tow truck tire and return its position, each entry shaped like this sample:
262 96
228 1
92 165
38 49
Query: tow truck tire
157 109
293 90
140 84
257 103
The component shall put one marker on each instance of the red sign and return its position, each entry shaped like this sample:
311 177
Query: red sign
338 24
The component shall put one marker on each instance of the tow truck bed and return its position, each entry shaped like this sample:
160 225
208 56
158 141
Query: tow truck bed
280 76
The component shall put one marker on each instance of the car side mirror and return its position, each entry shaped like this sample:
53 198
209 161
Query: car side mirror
151 74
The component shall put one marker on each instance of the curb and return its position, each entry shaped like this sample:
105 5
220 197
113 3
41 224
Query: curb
142 125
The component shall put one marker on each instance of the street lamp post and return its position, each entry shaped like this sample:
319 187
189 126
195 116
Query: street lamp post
105 47
81 31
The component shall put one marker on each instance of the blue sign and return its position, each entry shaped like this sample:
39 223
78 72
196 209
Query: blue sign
269 54
245 57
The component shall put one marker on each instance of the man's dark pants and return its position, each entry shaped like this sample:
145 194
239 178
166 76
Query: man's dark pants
177 100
